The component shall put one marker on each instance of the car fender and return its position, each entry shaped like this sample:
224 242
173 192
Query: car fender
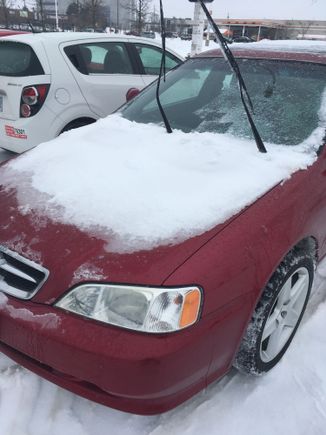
234 266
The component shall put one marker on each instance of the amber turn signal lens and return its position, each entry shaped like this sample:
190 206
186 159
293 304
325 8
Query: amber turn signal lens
190 309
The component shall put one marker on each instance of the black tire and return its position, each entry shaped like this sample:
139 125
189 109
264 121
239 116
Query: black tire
252 356
77 124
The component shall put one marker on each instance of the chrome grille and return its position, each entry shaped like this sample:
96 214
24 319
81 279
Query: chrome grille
18 276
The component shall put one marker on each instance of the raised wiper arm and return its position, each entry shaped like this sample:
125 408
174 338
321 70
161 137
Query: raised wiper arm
227 53
162 73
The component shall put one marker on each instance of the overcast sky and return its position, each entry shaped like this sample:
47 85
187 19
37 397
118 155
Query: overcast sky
282 9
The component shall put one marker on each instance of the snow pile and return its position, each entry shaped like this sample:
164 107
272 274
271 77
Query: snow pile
183 47
289 400
299 46
141 187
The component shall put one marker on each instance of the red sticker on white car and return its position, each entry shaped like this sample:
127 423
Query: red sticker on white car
18 133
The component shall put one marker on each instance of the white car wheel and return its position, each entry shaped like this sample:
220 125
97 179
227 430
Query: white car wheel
277 314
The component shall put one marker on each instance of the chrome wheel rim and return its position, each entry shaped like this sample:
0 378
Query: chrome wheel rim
285 314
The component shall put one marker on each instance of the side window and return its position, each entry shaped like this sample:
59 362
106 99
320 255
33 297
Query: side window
151 59
100 58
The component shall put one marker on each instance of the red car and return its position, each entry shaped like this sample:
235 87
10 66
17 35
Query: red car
6 32
158 325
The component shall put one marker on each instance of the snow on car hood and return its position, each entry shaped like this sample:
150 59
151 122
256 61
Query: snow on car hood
140 187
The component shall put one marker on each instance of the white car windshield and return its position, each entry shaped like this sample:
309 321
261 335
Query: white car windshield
203 95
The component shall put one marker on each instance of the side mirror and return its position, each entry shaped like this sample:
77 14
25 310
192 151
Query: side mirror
132 93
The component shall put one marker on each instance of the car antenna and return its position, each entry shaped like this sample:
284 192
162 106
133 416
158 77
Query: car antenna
31 26
162 72
228 55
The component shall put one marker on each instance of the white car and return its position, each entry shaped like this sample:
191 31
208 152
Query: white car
53 82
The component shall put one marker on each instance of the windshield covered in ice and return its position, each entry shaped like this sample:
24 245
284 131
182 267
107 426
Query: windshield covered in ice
202 95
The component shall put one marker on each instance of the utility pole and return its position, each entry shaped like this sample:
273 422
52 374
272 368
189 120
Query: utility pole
118 14
56 15
197 30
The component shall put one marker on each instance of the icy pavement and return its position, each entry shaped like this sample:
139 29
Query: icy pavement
290 400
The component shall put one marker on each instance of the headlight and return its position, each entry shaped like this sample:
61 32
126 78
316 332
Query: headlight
139 308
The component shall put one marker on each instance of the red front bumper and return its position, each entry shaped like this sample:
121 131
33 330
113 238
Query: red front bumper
138 373
133 372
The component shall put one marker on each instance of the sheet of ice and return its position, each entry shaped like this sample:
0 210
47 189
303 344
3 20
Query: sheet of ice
87 272
290 400
47 321
141 187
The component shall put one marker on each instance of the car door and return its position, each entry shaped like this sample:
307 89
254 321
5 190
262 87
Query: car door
149 58
104 72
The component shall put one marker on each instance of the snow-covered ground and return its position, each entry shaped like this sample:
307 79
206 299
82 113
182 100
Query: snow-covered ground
290 400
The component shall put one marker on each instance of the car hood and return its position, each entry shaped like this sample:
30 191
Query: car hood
74 256
123 202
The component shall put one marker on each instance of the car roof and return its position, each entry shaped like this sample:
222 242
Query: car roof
9 32
76 36
305 51
53 38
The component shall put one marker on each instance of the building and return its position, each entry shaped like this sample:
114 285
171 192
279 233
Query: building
258 29
178 25
273 29
119 12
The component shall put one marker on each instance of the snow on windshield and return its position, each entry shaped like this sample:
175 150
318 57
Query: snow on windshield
139 187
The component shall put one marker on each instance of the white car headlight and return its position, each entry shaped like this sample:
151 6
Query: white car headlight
144 309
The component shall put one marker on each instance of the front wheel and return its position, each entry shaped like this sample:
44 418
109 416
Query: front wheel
277 314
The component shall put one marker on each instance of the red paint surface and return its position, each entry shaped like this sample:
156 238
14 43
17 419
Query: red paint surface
6 32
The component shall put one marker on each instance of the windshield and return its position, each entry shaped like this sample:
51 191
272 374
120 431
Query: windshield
202 95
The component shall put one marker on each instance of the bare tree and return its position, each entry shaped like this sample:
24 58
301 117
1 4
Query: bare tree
5 5
41 12
139 10
93 9
73 14
304 27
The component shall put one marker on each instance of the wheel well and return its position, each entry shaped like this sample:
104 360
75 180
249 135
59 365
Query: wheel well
310 246
79 122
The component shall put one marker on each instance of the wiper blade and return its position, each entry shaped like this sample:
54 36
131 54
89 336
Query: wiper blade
227 53
162 72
